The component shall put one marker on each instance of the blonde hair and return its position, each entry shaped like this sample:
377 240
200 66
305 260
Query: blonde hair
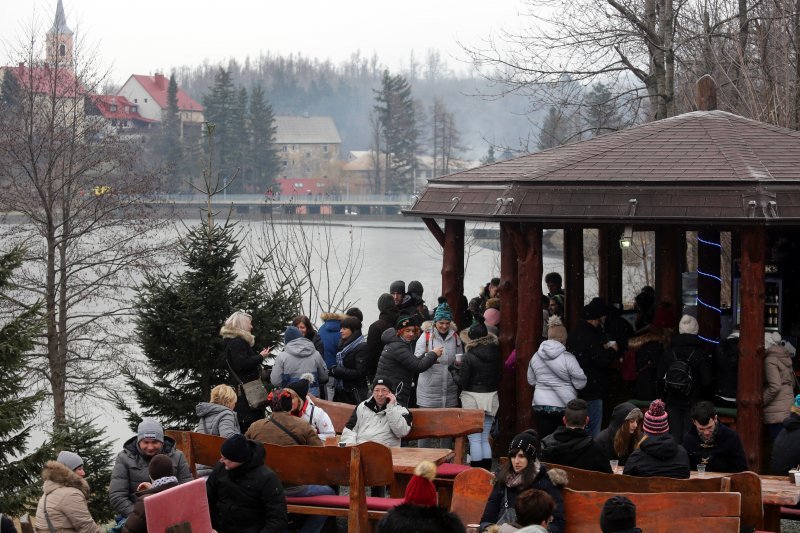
223 395
237 320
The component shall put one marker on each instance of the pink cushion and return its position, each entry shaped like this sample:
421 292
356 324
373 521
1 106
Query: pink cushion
450 469
343 502
382 504
792 513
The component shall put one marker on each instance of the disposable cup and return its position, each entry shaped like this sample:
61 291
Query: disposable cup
701 470
459 357
614 464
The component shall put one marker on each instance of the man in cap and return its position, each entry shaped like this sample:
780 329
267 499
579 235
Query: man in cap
398 362
244 495
130 467
379 419
595 357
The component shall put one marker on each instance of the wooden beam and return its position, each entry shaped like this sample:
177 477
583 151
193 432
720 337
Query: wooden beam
435 230
573 275
508 332
751 345
453 267
708 285
668 265
609 256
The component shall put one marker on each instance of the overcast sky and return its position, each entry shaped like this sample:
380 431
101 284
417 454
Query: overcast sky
153 35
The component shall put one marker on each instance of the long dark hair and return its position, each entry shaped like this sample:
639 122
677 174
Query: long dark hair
310 330
529 473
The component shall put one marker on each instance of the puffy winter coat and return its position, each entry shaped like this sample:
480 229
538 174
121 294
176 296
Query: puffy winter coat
247 499
495 505
480 368
246 362
330 332
66 493
555 375
297 358
399 364
658 455
779 384
137 520
436 386
318 418
215 419
786 451
574 447
687 347
352 386
586 344
605 440
130 469
369 422
267 431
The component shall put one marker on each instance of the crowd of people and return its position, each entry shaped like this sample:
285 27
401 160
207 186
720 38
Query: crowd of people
413 356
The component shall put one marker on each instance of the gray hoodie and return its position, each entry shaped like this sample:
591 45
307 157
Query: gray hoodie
215 419
297 358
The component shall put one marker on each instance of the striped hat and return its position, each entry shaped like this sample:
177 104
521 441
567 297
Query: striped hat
655 419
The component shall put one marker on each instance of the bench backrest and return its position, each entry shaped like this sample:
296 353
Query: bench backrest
709 512
748 484
587 480
376 463
471 491
427 423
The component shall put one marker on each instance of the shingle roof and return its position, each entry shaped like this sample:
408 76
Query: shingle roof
306 130
701 166
157 87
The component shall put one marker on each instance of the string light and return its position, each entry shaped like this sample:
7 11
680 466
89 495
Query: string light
709 276
712 341
710 243
701 302
706 274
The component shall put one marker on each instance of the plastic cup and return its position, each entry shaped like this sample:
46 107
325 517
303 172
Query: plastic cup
614 465
794 477
459 358
701 470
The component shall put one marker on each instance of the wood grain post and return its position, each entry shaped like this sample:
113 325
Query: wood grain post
751 345
573 274
708 285
609 255
668 265
453 267
508 332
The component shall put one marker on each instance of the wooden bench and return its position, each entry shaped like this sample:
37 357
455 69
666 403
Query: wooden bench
471 491
666 512
747 484
356 467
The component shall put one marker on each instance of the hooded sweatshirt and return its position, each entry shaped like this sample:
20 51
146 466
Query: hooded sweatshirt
573 447
786 451
555 374
658 455
297 358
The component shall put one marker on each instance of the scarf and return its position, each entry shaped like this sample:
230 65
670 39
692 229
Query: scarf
164 480
514 479
340 356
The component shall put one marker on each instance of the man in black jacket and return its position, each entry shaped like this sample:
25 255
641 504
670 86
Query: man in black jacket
595 358
570 445
386 319
710 443
244 495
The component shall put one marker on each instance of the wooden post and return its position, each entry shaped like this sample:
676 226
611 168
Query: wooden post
527 241
609 256
573 274
668 263
708 286
453 267
508 332
751 345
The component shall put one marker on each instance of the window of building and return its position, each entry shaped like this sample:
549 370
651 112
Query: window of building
285 164
136 100
307 155
294 148
133 109
325 148
284 148
145 100
62 50
113 109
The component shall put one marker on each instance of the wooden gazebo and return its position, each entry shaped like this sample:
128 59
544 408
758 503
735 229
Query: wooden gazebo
705 171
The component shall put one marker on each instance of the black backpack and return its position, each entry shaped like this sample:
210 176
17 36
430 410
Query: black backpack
678 378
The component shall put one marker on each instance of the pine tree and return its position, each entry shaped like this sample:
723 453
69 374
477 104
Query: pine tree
263 154
557 129
171 149
397 119
19 473
603 114
87 440
178 318
240 139
9 91
489 157
219 110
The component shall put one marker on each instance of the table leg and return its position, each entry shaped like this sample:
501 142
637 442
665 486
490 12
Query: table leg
772 517
400 484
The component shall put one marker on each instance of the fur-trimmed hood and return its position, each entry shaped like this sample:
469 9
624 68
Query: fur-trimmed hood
490 338
56 475
232 333
332 316
648 336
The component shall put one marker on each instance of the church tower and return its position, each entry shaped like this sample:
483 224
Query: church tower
59 40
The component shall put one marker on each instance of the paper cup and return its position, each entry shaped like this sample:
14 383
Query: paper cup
793 477
459 357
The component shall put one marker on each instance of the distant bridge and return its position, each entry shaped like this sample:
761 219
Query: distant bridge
300 204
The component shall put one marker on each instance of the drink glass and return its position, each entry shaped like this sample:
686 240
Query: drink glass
701 470
614 465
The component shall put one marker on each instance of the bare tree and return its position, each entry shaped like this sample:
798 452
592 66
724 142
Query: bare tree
79 194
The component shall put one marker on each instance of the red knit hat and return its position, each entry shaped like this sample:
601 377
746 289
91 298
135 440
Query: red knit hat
655 419
420 491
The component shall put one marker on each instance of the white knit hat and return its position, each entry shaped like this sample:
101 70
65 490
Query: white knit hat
688 324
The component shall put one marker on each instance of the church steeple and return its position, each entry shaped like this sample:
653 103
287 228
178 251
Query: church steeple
59 40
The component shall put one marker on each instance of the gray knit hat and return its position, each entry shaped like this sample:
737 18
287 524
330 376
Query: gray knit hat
70 460
149 428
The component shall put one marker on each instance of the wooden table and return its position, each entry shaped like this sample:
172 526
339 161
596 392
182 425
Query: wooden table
775 492
405 460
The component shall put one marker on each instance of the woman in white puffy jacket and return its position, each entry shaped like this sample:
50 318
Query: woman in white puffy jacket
556 377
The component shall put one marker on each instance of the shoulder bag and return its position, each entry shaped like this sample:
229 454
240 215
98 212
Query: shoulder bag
254 390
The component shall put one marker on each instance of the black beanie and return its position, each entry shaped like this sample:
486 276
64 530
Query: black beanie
527 441
478 329
397 286
235 448
618 514
160 466
300 387
415 287
352 323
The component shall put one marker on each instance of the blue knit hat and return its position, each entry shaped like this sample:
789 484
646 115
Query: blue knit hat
291 334
796 407
443 312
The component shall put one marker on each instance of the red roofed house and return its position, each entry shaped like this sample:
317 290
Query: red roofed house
149 93
121 115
